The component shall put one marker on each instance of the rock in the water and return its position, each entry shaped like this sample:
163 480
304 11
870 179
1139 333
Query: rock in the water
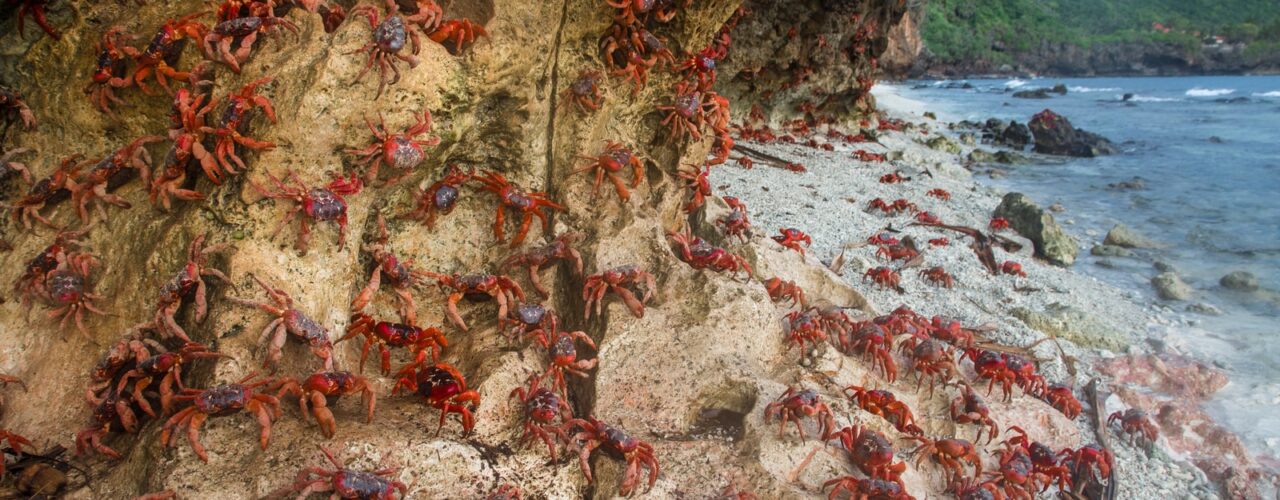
1054 135
1057 208
1171 287
1016 136
1011 158
1069 323
1164 267
1033 222
1110 251
1134 184
1032 94
1122 236
1059 89
981 156
1243 281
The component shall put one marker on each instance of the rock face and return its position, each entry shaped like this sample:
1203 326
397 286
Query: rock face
1037 224
1054 135
1169 286
692 376
1122 236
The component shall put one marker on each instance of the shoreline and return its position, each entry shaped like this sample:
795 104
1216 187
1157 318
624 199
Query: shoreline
831 197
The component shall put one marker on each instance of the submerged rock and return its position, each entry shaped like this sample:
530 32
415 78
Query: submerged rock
1122 236
1110 251
1033 222
1054 135
1032 94
1243 281
1169 286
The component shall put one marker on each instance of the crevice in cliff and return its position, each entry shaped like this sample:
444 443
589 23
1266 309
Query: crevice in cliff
552 98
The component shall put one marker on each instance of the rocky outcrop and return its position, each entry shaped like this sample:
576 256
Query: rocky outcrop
1036 224
1072 324
692 376
905 44
812 52
1054 135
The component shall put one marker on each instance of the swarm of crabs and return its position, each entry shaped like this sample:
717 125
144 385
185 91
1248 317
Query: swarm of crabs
144 375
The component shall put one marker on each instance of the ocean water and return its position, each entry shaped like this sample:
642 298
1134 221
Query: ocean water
1208 151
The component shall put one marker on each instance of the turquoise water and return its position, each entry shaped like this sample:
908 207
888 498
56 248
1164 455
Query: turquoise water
1215 204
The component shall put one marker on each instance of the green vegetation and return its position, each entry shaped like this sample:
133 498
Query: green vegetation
994 30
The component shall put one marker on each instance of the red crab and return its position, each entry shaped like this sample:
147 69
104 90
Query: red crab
992 366
1061 398
969 408
951 331
1090 462
1044 461
631 50
457 34
866 488
111 172
318 204
702 255
429 14
939 193
16 443
929 358
288 322
386 335
791 238
475 288
998 224
533 321
1017 476
527 204
871 453
111 413
388 40
882 239
928 218
886 406
902 205
318 388
1134 422
616 442
688 113
616 280
875 341
111 71
167 367
14 110
246 31
795 405
940 242
402 152
809 325
219 401
780 290
893 178
121 357
442 386
1011 267
541 407
232 124
189 282
897 252
560 249
631 11
700 67
949 453
165 48
67 290
37 10
737 223
563 354
342 482
696 180
53 189
867 156
615 159
1025 375
400 275
746 162
884 278
9 168
584 92
938 276
441 197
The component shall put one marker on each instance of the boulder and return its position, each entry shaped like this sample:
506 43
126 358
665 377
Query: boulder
1110 251
1122 236
942 143
1075 325
981 156
1059 89
1169 286
1011 158
1016 136
1032 94
1243 281
1205 309
1054 135
1037 224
